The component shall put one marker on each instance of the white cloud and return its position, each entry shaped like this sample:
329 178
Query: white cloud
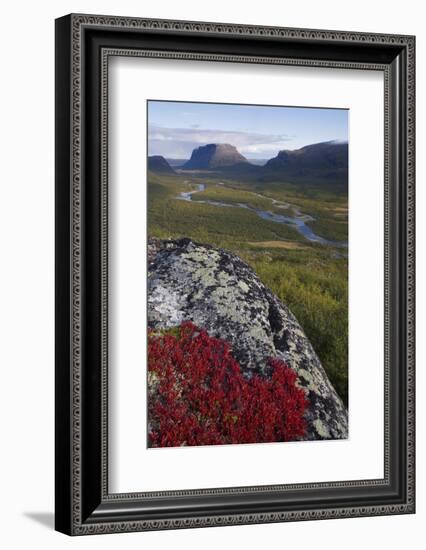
179 142
264 148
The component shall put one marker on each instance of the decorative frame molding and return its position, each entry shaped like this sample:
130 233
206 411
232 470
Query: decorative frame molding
84 44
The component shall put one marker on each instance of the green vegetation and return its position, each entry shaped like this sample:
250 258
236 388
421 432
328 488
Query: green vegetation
215 225
309 278
314 285
234 195
331 230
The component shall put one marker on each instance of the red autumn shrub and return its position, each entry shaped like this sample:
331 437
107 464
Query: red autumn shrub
199 396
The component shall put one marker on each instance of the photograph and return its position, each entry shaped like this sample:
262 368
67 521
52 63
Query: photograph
247 283
209 298
234 275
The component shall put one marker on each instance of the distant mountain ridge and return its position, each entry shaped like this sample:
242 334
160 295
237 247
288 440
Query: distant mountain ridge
324 162
176 163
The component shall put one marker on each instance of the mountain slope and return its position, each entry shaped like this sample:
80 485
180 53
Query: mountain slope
326 160
157 163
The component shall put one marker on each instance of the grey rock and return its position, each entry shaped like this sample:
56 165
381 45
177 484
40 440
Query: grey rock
219 292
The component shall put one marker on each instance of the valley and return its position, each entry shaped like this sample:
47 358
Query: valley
274 210
293 234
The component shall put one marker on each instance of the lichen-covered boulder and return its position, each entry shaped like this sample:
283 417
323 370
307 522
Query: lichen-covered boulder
219 292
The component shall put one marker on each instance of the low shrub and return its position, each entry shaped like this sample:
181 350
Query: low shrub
198 394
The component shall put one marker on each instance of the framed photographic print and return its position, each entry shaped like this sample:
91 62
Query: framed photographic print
234 274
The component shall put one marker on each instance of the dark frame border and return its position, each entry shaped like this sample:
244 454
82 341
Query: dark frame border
83 45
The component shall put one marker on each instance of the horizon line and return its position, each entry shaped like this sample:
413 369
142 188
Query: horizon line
336 141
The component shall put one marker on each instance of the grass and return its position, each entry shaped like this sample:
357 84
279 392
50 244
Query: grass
277 244
312 280
232 195
331 230
315 288
213 224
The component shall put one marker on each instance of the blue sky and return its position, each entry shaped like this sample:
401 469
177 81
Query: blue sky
176 128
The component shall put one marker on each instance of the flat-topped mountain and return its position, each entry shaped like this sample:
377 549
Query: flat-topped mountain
157 163
214 155
321 160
